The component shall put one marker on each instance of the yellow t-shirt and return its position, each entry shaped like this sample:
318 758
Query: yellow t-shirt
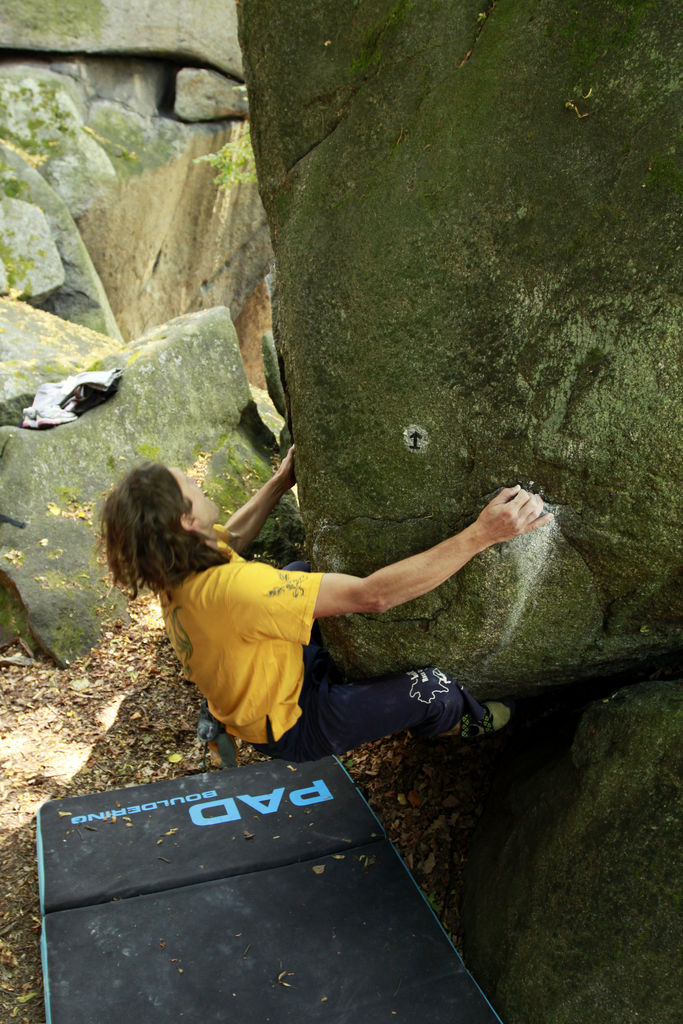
238 630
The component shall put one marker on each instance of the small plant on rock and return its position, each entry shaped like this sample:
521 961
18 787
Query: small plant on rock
234 161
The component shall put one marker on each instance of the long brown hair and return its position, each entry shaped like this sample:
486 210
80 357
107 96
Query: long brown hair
143 539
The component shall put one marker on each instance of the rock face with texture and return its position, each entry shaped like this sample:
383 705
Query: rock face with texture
183 399
31 262
81 298
205 30
162 237
570 911
203 95
474 216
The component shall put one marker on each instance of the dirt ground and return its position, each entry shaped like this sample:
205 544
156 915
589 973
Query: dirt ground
123 715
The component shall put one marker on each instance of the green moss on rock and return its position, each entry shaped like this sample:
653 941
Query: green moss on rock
128 142
458 250
573 869
37 115
149 451
13 617
71 18
17 267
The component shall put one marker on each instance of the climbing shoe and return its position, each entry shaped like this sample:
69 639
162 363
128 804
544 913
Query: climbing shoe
497 714
214 737
208 727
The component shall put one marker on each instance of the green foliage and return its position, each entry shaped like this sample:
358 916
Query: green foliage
234 161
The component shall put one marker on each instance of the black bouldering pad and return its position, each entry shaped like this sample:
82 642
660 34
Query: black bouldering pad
344 938
264 894
142 839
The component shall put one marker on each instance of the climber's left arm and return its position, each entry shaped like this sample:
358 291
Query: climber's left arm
246 523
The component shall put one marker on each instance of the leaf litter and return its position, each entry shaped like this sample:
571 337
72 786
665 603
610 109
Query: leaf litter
123 715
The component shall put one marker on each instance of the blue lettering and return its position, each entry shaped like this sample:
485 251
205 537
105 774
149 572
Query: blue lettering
315 794
229 809
266 804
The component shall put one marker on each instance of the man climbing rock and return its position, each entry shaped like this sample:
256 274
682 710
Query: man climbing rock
247 635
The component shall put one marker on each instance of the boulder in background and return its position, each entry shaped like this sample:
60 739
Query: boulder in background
204 95
29 256
81 298
205 30
183 399
37 347
163 238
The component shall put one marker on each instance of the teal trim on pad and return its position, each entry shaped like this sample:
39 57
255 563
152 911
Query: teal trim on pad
39 854
424 898
46 982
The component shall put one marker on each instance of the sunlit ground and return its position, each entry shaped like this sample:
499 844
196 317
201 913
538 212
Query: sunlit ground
123 715
118 716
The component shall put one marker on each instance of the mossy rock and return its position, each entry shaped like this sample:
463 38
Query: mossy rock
178 31
573 869
32 264
81 299
184 399
35 347
474 218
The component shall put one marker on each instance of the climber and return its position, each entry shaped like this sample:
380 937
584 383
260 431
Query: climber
247 633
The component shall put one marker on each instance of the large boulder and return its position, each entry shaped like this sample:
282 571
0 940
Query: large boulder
474 216
163 238
37 347
42 115
204 95
81 298
204 30
184 399
571 888
182 244
30 261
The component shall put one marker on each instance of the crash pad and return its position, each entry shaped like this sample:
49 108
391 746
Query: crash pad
265 894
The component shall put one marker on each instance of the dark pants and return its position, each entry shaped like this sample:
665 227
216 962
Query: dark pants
336 716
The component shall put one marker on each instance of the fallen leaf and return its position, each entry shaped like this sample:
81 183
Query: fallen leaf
429 864
318 869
